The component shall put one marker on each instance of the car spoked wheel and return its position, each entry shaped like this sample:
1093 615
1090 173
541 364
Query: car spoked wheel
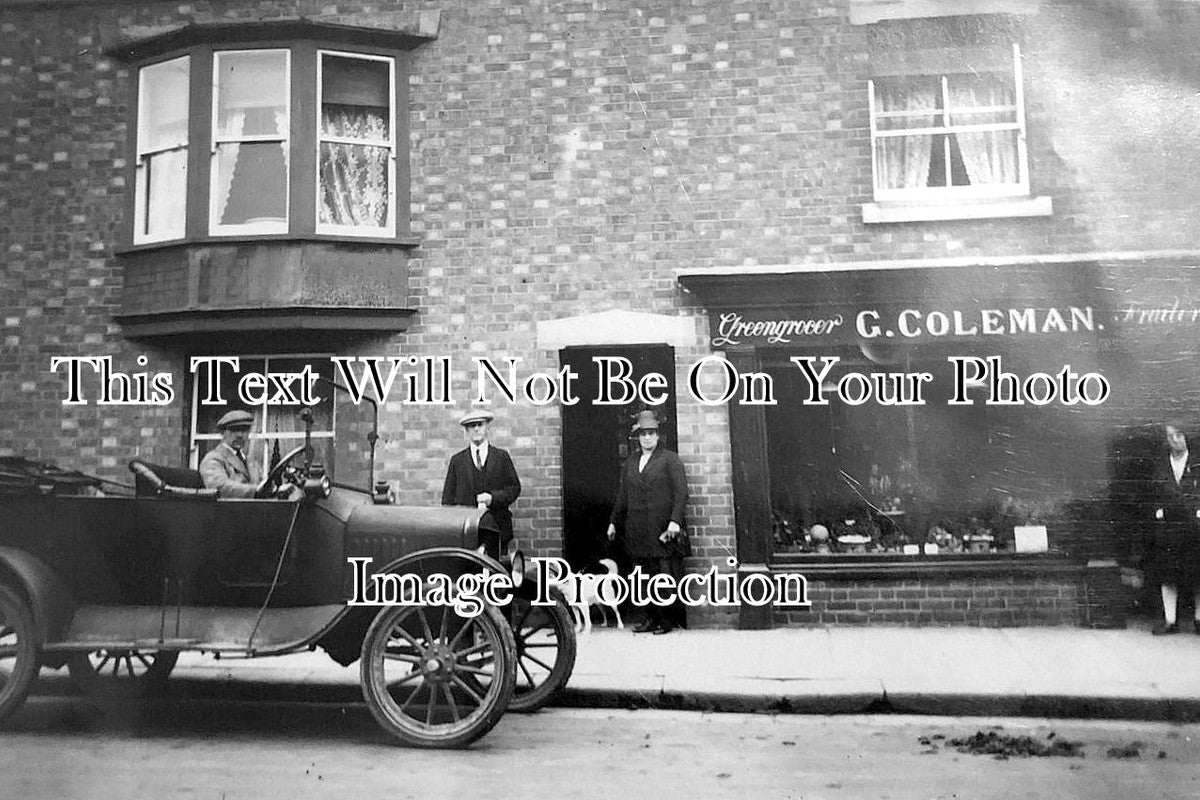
434 678
122 672
18 651
545 637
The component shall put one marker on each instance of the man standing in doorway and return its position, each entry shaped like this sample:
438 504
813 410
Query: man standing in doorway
482 475
650 505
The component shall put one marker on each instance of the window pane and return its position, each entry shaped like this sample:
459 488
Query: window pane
286 418
251 93
162 195
355 97
161 180
982 98
991 157
907 103
354 185
355 179
163 119
251 183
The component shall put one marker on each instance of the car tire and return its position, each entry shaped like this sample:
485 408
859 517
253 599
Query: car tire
434 678
546 645
20 647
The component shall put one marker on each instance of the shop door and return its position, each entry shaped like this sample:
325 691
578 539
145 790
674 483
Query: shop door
596 442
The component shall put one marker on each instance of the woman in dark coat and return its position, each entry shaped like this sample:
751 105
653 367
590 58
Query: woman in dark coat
650 505
1175 560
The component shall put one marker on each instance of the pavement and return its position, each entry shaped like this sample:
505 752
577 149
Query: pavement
1042 672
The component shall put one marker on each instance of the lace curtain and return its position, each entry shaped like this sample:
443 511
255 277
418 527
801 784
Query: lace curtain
227 160
354 177
903 161
989 156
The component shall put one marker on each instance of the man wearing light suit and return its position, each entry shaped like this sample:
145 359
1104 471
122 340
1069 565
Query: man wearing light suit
224 468
483 476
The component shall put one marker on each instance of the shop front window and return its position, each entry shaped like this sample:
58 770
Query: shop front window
926 479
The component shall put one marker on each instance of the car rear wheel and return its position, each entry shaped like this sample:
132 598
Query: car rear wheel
19 647
122 672
545 637
434 678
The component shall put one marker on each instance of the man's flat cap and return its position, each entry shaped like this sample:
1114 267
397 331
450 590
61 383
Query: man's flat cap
476 416
235 419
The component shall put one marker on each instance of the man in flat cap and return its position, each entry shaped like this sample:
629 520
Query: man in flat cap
224 468
482 475
650 506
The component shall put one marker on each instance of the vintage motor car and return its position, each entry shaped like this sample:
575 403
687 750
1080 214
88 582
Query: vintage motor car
114 582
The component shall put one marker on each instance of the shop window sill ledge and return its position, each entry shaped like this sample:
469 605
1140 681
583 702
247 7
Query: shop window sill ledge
894 565
991 208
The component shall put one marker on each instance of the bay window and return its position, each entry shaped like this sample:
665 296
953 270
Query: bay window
270 139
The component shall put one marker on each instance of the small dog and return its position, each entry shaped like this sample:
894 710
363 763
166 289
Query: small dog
582 592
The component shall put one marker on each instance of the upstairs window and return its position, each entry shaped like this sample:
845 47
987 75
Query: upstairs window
949 135
356 145
250 143
276 136
161 165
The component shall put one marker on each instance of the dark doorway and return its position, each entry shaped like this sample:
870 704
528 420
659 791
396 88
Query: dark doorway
596 442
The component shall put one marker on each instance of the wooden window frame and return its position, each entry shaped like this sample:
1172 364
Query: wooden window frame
936 194
304 120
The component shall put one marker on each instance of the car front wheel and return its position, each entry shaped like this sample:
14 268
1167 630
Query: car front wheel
434 678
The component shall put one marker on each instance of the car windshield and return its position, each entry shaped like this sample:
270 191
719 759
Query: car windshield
349 456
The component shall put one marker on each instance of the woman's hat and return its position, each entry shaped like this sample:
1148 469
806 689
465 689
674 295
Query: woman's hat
646 421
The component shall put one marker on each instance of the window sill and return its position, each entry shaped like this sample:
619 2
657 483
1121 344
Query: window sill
991 208
890 565
209 241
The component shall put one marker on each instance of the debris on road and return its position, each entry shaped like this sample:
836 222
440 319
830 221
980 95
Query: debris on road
1002 746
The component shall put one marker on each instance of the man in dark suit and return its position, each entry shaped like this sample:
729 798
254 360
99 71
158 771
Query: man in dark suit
482 475
650 505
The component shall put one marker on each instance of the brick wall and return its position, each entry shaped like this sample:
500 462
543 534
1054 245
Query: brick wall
985 601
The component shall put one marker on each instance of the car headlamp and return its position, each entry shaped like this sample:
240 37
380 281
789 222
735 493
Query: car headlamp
516 568
317 487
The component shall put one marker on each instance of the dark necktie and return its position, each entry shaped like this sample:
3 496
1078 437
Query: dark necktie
478 459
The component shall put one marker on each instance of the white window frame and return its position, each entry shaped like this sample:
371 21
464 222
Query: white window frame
944 193
284 140
260 415
144 154
389 228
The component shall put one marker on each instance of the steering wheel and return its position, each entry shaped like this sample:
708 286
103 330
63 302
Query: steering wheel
275 477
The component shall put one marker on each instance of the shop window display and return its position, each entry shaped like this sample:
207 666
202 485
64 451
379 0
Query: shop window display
929 480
